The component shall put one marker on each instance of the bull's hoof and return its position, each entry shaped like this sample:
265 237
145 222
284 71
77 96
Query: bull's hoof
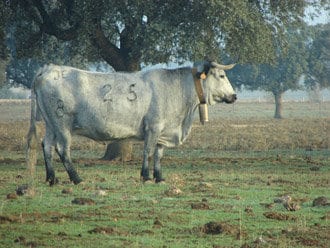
159 180
146 179
52 181
77 180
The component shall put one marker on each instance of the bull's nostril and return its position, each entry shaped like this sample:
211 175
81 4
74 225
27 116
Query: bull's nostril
234 96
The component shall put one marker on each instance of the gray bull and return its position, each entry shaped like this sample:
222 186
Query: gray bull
155 106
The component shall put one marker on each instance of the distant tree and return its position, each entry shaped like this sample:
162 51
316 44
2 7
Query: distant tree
286 73
318 74
303 63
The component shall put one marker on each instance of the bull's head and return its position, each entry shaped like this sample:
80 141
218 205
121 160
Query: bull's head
216 84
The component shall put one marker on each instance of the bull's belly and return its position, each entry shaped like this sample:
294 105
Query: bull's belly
172 139
114 132
169 141
176 133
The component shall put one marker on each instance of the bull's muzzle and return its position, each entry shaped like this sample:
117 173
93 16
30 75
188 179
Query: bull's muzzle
231 99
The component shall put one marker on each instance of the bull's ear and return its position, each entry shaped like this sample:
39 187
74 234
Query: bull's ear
207 67
222 67
202 67
199 65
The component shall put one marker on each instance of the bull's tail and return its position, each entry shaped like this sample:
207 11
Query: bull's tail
31 150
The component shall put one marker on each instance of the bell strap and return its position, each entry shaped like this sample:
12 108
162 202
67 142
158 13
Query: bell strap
198 86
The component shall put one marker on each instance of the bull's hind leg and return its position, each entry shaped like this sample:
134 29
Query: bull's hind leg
48 150
157 168
63 150
145 166
152 149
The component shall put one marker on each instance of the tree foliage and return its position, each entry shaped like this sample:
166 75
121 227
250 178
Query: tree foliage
4 16
127 33
130 32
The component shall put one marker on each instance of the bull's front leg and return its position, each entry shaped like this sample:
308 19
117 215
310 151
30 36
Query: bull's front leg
150 142
157 167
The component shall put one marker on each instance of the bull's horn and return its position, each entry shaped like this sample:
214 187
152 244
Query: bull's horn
222 67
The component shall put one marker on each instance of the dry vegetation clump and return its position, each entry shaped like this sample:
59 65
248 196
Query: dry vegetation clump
242 128
13 135
261 135
244 135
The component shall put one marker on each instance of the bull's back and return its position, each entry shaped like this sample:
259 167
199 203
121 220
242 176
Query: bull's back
97 105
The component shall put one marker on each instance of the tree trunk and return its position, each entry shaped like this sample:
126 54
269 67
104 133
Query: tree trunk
278 105
120 60
3 65
119 151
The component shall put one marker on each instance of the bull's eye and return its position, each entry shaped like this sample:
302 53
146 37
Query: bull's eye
222 76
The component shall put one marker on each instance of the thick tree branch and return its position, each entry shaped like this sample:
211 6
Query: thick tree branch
50 28
33 39
108 51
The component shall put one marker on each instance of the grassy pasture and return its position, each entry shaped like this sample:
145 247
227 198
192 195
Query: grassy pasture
219 192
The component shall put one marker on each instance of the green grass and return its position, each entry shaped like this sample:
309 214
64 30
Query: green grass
229 183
